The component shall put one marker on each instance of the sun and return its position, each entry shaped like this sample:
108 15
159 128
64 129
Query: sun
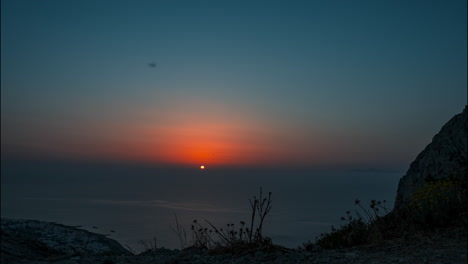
202 167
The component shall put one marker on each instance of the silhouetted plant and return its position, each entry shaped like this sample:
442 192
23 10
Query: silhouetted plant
235 238
439 203
130 249
366 226
263 208
180 232
149 246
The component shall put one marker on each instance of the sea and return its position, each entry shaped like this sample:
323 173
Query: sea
138 203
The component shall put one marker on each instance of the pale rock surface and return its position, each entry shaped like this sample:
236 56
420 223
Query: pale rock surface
446 155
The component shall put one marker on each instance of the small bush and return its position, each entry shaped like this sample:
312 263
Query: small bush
233 238
439 203
149 246
360 229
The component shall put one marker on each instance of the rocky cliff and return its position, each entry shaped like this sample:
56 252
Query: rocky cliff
446 155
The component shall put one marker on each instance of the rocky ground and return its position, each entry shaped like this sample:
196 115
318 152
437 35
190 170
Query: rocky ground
38 244
23 240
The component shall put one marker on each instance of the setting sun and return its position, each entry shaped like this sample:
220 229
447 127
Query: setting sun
202 167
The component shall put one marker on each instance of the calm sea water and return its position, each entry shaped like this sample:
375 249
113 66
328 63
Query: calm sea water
140 202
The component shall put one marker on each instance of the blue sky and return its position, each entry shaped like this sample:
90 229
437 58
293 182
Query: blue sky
352 83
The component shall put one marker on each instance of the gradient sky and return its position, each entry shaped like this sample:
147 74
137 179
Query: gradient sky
237 83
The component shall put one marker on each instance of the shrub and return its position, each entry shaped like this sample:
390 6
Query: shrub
234 238
440 202
365 227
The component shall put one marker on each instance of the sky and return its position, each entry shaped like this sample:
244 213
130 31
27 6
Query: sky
358 84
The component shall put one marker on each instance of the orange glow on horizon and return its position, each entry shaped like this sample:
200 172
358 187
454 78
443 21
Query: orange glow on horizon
194 143
220 138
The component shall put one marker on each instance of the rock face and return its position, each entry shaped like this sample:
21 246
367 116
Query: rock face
37 240
446 155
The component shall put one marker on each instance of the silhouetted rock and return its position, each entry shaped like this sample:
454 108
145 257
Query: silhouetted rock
446 155
37 240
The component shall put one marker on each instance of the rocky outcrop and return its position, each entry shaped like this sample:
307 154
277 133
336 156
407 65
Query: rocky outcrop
446 155
37 240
